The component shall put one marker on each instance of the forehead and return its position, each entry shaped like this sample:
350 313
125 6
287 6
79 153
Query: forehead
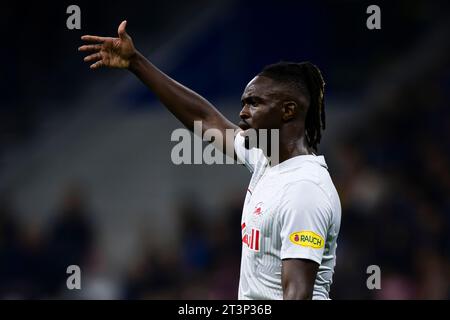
260 86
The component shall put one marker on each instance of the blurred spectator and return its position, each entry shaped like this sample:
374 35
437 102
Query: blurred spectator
71 236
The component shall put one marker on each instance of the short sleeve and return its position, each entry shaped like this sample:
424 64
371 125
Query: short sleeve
304 215
249 157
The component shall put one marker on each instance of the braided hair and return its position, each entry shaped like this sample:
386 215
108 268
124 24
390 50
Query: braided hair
306 79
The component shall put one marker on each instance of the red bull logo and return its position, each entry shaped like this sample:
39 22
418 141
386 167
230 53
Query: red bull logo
251 238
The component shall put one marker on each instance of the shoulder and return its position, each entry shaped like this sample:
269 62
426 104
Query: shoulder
305 192
309 200
311 181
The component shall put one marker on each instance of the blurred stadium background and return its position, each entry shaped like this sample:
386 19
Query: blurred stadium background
85 170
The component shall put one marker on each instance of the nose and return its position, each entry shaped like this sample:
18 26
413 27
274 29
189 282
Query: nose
244 114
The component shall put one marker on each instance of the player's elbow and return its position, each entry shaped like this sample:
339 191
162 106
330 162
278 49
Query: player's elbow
297 291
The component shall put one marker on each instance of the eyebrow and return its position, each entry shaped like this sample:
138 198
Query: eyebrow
252 99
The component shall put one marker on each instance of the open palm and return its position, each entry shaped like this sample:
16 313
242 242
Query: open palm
109 52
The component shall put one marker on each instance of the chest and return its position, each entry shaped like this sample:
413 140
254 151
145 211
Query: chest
259 215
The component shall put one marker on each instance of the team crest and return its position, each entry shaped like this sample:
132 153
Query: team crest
258 209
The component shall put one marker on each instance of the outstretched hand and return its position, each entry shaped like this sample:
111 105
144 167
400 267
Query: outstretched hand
109 52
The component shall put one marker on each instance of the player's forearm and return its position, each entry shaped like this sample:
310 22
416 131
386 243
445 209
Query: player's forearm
185 104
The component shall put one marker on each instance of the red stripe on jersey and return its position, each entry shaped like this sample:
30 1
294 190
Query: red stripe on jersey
252 240
257 241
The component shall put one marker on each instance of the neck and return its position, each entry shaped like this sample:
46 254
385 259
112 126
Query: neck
292 143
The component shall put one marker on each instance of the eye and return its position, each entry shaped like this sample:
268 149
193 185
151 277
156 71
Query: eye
252 102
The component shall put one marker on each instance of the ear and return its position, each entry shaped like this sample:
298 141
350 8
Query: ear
289 110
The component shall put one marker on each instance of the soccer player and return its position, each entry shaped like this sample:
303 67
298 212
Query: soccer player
291 215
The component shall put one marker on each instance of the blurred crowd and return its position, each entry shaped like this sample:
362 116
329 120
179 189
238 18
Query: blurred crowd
34 257
394 185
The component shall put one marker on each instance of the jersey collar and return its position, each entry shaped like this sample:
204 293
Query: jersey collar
297 161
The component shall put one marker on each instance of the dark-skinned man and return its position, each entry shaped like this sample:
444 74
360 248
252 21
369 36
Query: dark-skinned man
292 213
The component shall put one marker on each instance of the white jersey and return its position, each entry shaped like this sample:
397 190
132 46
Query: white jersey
291 210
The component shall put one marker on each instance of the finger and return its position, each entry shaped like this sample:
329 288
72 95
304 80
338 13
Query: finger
122 30
93 57
94 38
91 47
97 65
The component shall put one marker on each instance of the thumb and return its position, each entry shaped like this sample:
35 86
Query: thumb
121 30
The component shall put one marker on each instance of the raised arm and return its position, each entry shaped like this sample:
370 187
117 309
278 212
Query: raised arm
185 104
